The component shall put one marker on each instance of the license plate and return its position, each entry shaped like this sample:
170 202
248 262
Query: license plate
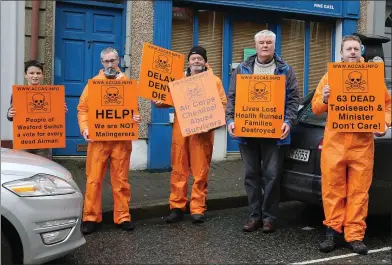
299 154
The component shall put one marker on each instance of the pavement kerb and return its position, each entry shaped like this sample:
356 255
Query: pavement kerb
160 208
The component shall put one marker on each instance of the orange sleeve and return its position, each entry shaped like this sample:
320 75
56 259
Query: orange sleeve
83 110
222 93
318 107
387 108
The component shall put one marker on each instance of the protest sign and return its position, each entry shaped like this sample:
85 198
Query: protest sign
40 117
357 97
259 106
159 67
111 106
197 103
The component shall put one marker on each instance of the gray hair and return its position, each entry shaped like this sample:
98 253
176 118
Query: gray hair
265 33
108 50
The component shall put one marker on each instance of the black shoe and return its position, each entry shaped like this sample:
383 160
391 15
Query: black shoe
358 247
331 240
198 218
176 215
127 225
89 227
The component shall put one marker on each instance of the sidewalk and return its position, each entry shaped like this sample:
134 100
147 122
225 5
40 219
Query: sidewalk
150 191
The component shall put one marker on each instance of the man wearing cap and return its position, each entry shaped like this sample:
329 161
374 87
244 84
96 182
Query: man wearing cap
191 154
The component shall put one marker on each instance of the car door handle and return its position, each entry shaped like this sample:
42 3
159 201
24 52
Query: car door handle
89 43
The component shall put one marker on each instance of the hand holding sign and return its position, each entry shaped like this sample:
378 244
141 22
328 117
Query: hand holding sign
326 93
381 134
285 131
230 129
86 136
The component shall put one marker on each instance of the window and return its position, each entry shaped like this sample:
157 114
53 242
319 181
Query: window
320 52
309 117
244 38
293 48
211 38
388 21
182 31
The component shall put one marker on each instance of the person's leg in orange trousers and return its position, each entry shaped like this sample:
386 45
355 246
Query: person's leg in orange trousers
119 171
201 147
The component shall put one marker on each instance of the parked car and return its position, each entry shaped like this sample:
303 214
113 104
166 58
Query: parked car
41 209
301 180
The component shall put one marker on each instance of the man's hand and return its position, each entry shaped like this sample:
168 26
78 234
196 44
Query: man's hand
325 94
381 134
285 131
137 118
160 104
86 136
65 108
230 129
11 112
120 75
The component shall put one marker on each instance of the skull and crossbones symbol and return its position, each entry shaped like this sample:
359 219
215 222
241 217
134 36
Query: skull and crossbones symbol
259 91
355 81
193 91
162 62
38 102
112 96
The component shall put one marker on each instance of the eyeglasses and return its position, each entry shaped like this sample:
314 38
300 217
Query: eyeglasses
109 61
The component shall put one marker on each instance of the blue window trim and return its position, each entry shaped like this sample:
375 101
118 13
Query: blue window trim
277 29
307 58
95 3
227 52
195 27
333 43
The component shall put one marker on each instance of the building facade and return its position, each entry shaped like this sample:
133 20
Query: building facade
68 36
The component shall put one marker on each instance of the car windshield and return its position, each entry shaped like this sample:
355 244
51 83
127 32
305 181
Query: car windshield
308 117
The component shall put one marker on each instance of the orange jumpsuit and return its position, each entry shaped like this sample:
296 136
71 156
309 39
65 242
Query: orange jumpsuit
347 168
98 154
191 155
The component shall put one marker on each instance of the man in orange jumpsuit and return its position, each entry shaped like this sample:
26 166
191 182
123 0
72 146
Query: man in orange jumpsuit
98 154
191 154
346 166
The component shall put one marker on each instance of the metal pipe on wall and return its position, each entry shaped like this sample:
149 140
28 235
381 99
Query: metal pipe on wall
34 30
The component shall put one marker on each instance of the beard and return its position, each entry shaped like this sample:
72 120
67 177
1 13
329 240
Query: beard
196 68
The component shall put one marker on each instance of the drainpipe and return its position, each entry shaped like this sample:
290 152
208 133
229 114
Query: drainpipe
34 30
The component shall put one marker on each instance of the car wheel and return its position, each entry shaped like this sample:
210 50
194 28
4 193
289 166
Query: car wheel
6 251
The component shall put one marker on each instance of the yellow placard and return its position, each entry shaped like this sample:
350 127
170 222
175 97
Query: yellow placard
259 106
111 105
159 67
197 103
40 117
357 97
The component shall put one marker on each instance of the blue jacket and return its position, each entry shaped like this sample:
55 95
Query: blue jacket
292 95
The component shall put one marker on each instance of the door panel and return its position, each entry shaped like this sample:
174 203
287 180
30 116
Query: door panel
82 32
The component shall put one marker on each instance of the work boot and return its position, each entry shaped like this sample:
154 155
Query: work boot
252 225
198 218
89 227
176 215
358 247
127 225
269 227
331 240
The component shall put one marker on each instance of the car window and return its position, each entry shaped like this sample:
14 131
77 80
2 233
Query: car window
308 117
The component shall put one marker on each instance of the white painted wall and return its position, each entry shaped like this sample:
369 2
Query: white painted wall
139 155
220 144
338 39
12 56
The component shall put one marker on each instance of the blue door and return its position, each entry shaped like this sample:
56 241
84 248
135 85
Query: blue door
82 32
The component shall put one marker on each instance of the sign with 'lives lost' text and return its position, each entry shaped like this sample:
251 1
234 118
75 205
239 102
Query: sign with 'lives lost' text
39 121
357 97
259 105
197 103
159 67
111 106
